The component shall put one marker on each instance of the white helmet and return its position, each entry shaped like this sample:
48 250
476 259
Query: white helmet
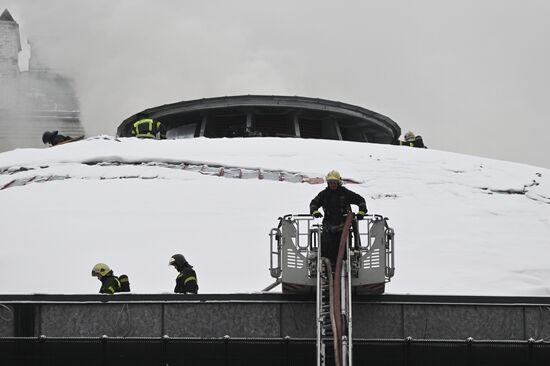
101 269
333 176
409 136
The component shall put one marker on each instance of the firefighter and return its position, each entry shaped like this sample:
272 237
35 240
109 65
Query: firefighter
148 128
412 140
186 282
418 142
336 202
109 282
54 138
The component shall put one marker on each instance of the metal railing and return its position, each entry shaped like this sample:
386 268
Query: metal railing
165 351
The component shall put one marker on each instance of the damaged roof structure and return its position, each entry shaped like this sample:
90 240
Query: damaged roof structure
269 116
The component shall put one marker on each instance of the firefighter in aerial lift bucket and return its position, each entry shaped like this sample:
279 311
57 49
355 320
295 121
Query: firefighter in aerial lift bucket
109 282
186 282
336 201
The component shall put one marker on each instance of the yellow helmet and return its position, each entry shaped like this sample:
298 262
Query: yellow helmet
409 136
100 268
334 176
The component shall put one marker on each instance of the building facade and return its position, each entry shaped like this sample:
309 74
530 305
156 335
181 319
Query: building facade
10 46
32 101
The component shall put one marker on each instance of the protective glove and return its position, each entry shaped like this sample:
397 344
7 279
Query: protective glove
360 215
316 214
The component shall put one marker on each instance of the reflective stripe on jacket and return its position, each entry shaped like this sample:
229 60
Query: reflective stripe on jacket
186 281
109 285
145 128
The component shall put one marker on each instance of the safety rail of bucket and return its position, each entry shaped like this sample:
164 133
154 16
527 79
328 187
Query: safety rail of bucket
294 248
293 252
372 256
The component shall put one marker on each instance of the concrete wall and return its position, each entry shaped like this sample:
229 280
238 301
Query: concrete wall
216 320
275 320
439 321
93 320
252 320
537 322
7 321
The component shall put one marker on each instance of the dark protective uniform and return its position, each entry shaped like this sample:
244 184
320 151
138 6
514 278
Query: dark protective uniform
147 128
186 282
124 283
417 142
54 138
336 204
109 284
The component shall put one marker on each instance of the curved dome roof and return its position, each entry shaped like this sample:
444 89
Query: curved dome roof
263 115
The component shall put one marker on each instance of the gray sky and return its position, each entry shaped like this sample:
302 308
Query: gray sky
470 76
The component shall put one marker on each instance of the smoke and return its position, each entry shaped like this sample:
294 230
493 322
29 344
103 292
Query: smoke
454 72
126 56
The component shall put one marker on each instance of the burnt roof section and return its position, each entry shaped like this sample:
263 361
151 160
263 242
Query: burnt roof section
6 16
315 104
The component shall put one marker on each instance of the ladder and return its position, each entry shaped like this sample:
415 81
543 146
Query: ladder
334 341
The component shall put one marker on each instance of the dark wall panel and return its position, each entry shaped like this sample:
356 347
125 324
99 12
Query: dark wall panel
94 320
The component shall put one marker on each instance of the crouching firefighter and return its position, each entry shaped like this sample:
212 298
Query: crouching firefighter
109 282
336 201
186 282
54 138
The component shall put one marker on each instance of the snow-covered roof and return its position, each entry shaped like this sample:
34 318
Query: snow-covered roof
464 224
